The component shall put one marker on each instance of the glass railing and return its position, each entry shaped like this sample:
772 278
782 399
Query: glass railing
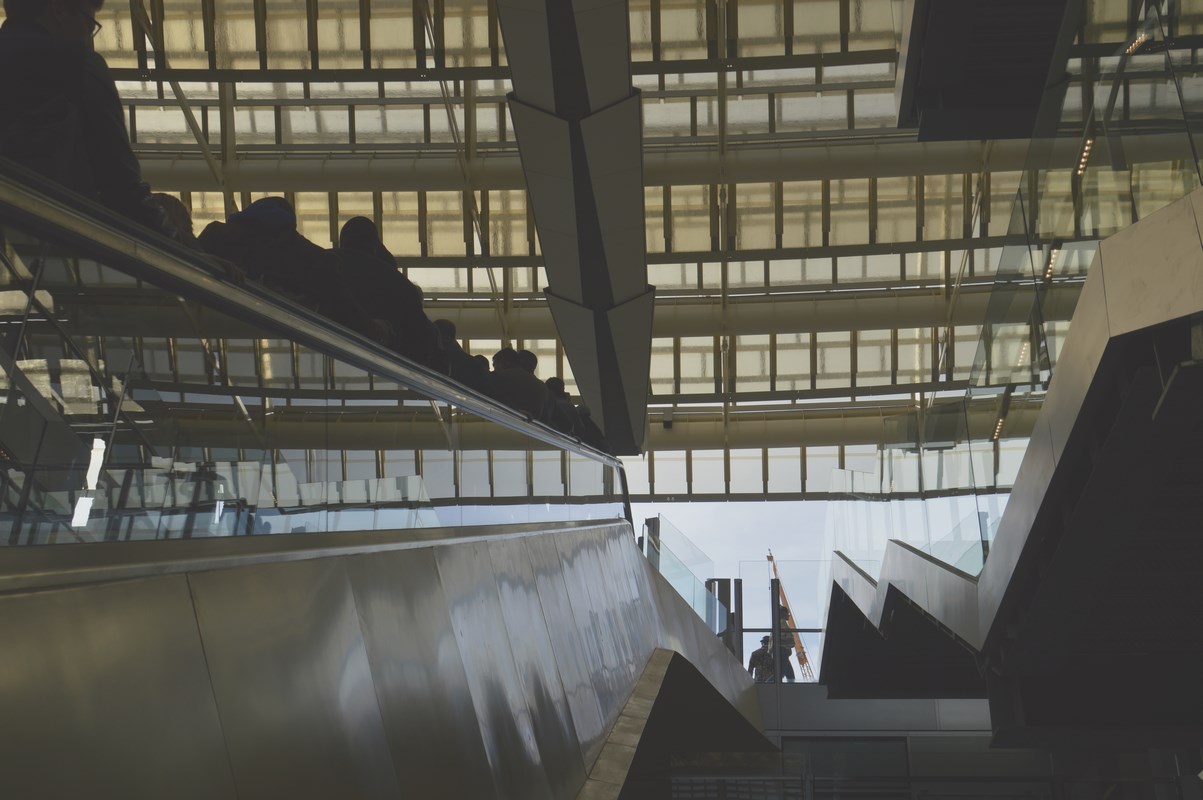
954 528
1121 144
143 397
700 565
965 546
686 568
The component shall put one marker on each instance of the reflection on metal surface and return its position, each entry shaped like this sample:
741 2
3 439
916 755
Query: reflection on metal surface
501 710
292 681
450 667
414 653
572 658
535 661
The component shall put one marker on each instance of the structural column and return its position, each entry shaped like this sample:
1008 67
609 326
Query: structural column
579 129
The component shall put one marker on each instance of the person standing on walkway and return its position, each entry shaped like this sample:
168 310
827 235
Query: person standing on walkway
760 665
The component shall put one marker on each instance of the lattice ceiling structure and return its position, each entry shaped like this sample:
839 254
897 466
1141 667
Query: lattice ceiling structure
820 273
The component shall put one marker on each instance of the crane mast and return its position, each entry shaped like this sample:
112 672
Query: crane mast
806 673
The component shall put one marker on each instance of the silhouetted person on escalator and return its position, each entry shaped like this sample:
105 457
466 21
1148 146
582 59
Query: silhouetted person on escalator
583 426
471 371
564 416
263 240
388 296
528 361
518 388
179 216
60 114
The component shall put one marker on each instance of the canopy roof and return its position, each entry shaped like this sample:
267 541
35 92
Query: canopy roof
806 251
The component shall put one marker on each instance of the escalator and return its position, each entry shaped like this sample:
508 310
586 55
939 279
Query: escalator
253 554
1083 625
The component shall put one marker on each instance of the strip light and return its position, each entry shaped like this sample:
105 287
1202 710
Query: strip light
1132 48
1086 148
1053 256
1003 408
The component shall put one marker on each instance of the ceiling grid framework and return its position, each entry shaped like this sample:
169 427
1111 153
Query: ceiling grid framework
837 249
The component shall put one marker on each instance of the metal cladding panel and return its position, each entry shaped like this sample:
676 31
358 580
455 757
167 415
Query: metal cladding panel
806 708
1031 482
577 328
859 589
562 257
677 636
595 623
419 675
104 695
570 648
1134 296
633 577
640 629
602 35
948 595
1085 342
625 625
611 136
611 140
620 215
631 329
332 675
292 681
1139 295
527 629
470 591
524 28
555 210
544 142
533 6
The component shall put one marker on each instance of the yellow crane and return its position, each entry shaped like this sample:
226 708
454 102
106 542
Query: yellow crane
805 673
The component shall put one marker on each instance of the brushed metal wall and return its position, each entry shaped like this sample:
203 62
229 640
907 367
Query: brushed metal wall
491 666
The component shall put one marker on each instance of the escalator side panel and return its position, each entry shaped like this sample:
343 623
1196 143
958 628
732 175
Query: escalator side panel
600 626
483 667
530 643
571 650
293 683
470 590
413 651
80 719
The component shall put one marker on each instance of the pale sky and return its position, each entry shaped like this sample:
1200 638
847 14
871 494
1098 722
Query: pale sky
737 536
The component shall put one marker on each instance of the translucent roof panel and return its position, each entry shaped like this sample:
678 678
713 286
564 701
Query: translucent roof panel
804 250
